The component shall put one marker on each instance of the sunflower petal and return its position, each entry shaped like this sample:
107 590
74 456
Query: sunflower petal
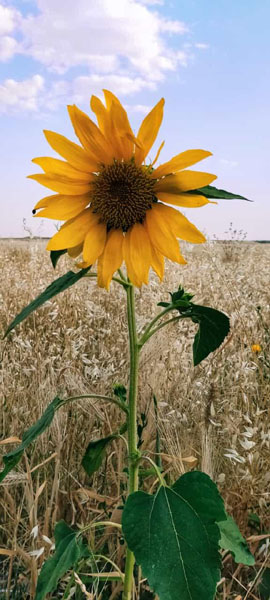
148 131
90 135
180 225
180 161
184 181
74 154
61 184
122 129
110 98
73 232
185 200
140 251
132 273
101 113
158 153
62 207
94 242
76 251
111 258
161 235
157 262
54 166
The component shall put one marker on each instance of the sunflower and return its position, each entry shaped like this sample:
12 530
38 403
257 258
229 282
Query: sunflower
115 206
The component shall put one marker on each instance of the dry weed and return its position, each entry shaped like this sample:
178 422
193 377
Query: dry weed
215 417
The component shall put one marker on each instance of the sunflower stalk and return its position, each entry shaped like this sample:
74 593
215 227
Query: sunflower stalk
134 454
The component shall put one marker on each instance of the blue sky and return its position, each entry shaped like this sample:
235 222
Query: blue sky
210 60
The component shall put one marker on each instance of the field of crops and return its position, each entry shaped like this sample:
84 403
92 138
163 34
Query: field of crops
214 417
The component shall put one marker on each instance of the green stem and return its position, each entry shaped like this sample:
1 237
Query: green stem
145 337
115 401
132 427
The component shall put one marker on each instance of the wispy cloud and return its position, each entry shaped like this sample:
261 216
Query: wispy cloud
125 45
21 95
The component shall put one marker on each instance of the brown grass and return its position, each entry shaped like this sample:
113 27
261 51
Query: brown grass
215 416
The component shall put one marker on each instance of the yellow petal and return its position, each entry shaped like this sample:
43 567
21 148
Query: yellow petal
185 200
54 166
62 207
76 251
110 98
122 130
49 201
73 232
111 258
180 161
61 184
157 262
180 225
94 242
148 131
74 154
90 135
132 273
101 113
158 153
140 251
82 265
161 235
184 181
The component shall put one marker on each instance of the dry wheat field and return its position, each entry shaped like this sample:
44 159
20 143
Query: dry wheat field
215 417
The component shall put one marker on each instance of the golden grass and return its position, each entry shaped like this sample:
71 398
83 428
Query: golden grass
215 417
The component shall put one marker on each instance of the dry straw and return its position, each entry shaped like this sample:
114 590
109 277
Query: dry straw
69 347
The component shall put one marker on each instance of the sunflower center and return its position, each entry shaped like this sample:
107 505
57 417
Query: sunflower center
122 193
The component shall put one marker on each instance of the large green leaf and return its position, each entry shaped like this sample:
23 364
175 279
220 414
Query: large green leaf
214 325
264 585
213 328
13 458
212 192
232 540
57 286
174 537
69 548
95 453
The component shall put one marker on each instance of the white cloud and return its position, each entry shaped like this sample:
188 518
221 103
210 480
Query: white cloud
9 19
119 84
138 108
105 36
124 46
201 46
8 47
229 164
21 95
152 2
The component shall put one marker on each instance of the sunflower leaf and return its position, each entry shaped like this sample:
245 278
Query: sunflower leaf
212 192
181 519
56 287
232 540
13 458
214 325
69 549
55 255
95 453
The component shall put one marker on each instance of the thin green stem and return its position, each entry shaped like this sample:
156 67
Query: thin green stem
151 324
134 454
157 469
122 281
115 401
145 338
